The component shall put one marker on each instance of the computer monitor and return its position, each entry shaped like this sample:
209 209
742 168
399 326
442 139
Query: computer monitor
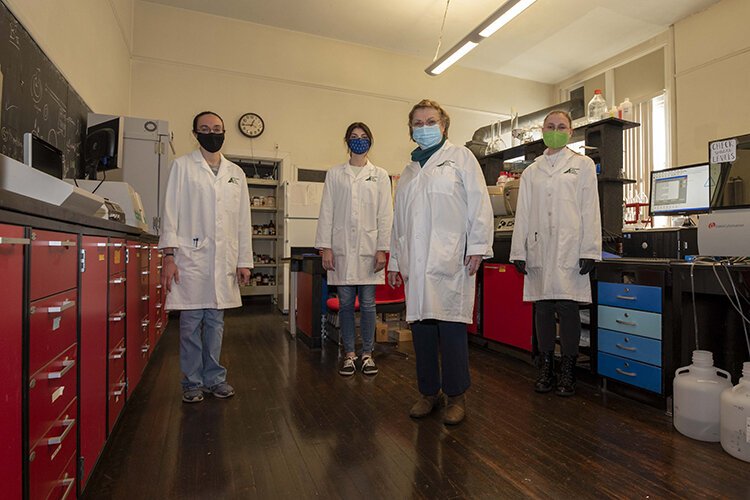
681 190
42 155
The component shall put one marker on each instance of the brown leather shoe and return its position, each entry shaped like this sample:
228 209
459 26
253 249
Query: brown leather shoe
456 410
426 404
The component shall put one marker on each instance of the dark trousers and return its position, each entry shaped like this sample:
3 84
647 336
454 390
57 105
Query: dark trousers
441 344
570 325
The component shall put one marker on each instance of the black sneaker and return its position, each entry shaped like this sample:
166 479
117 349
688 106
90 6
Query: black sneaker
348 369
368 366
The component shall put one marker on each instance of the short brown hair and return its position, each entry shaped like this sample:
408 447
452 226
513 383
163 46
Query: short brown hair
428 103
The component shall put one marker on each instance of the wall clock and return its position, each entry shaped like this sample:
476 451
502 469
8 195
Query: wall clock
251 125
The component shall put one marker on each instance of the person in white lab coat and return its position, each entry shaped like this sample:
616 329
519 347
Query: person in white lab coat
442 229
206 237
353 235
557 237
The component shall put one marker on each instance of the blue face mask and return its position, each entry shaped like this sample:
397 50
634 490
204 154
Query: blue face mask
427 136
359 146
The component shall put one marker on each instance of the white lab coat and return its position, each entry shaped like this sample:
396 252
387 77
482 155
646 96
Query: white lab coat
207 220
442 214
356 214
557 223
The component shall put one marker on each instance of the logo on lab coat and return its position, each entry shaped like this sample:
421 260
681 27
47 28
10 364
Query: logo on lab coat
234 180
572 170
446 162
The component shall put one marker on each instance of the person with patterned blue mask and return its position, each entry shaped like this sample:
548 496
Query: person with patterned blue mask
557 237
442 230
353 236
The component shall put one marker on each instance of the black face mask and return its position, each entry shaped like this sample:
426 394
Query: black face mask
210 142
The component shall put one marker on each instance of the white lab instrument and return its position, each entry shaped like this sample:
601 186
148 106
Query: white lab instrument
724 233
122 194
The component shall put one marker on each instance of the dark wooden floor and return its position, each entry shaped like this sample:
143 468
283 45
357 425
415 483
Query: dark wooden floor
296 429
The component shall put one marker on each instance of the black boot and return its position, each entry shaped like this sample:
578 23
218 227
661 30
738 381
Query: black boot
567 384
546 380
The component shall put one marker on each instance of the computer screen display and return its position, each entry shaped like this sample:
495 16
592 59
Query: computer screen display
43 156
681 190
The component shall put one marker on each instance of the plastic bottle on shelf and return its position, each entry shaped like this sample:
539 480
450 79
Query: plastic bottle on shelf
735 417
626 110
271 228
614 112
597 108
697 397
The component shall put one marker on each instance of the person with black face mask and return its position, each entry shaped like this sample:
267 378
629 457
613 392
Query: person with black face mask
207 244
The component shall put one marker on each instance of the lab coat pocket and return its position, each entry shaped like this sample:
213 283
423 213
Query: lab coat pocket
443 180
193 257
403 257
447 256
368 242
534 253
568 250
338 242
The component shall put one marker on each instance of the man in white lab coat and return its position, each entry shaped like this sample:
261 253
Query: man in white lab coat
206 237
557 237
442 230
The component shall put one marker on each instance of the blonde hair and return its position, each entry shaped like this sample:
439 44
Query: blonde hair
428 103
560 112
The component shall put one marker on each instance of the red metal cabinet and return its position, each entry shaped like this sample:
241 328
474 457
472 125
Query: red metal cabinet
136 309
93 353
54 263
12 244
507 318
50 457
52 327
116 315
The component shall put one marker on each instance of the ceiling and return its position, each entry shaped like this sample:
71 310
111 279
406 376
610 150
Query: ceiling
549 42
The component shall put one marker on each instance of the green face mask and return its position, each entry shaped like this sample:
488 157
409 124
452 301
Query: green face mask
555 139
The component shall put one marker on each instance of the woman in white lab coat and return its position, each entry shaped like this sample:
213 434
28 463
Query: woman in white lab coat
556 239
443 228
353 235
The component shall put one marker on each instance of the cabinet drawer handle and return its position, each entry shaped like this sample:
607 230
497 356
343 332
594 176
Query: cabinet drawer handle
116 245
158 286
626 323
67 304
145 348
119 392
117 281
145 273
145 323
119 355
68 482
65 243
627 374
117 317
626 348
14 241
68 423
68 364
159 267
158 305
144 298
626 297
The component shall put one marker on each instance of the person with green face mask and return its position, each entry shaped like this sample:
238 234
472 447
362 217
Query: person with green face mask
557 237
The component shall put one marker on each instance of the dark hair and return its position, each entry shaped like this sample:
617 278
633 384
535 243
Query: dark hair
361 125
428 103
560 112
204 113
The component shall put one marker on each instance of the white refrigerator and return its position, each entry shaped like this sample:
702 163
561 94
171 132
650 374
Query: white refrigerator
299 203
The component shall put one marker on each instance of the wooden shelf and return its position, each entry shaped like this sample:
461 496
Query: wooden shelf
258 265
263 209
252 181
263 237
258 290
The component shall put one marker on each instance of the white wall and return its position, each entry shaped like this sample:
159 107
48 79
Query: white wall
307 89
712 78
88 41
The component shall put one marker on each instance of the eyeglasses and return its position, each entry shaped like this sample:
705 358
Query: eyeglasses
429 123
561 127
208 130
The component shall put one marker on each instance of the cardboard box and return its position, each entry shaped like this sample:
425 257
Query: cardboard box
381 332
401 335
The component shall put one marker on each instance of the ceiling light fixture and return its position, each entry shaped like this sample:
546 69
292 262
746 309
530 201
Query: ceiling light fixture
497 20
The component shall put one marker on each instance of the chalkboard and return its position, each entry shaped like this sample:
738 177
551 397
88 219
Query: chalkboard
37 98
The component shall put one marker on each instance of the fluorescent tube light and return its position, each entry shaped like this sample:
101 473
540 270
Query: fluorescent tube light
497 20
452 57
503 16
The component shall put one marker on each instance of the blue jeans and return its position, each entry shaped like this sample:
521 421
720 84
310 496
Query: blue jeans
442 349
366 293
201 332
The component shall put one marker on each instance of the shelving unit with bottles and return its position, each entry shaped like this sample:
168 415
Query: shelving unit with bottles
262 182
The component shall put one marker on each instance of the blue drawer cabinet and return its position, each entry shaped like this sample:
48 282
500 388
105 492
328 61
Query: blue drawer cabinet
629 334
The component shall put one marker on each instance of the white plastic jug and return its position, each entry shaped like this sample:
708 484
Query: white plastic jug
735 417
697 396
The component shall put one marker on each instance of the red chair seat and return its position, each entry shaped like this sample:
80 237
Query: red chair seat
333 304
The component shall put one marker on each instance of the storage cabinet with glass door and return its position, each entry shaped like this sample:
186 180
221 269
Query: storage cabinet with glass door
262 182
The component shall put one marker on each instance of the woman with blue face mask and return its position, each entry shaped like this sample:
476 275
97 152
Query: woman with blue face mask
353 235
557 236
442 230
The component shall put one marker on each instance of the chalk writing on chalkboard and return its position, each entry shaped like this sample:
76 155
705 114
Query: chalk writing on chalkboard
37 98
